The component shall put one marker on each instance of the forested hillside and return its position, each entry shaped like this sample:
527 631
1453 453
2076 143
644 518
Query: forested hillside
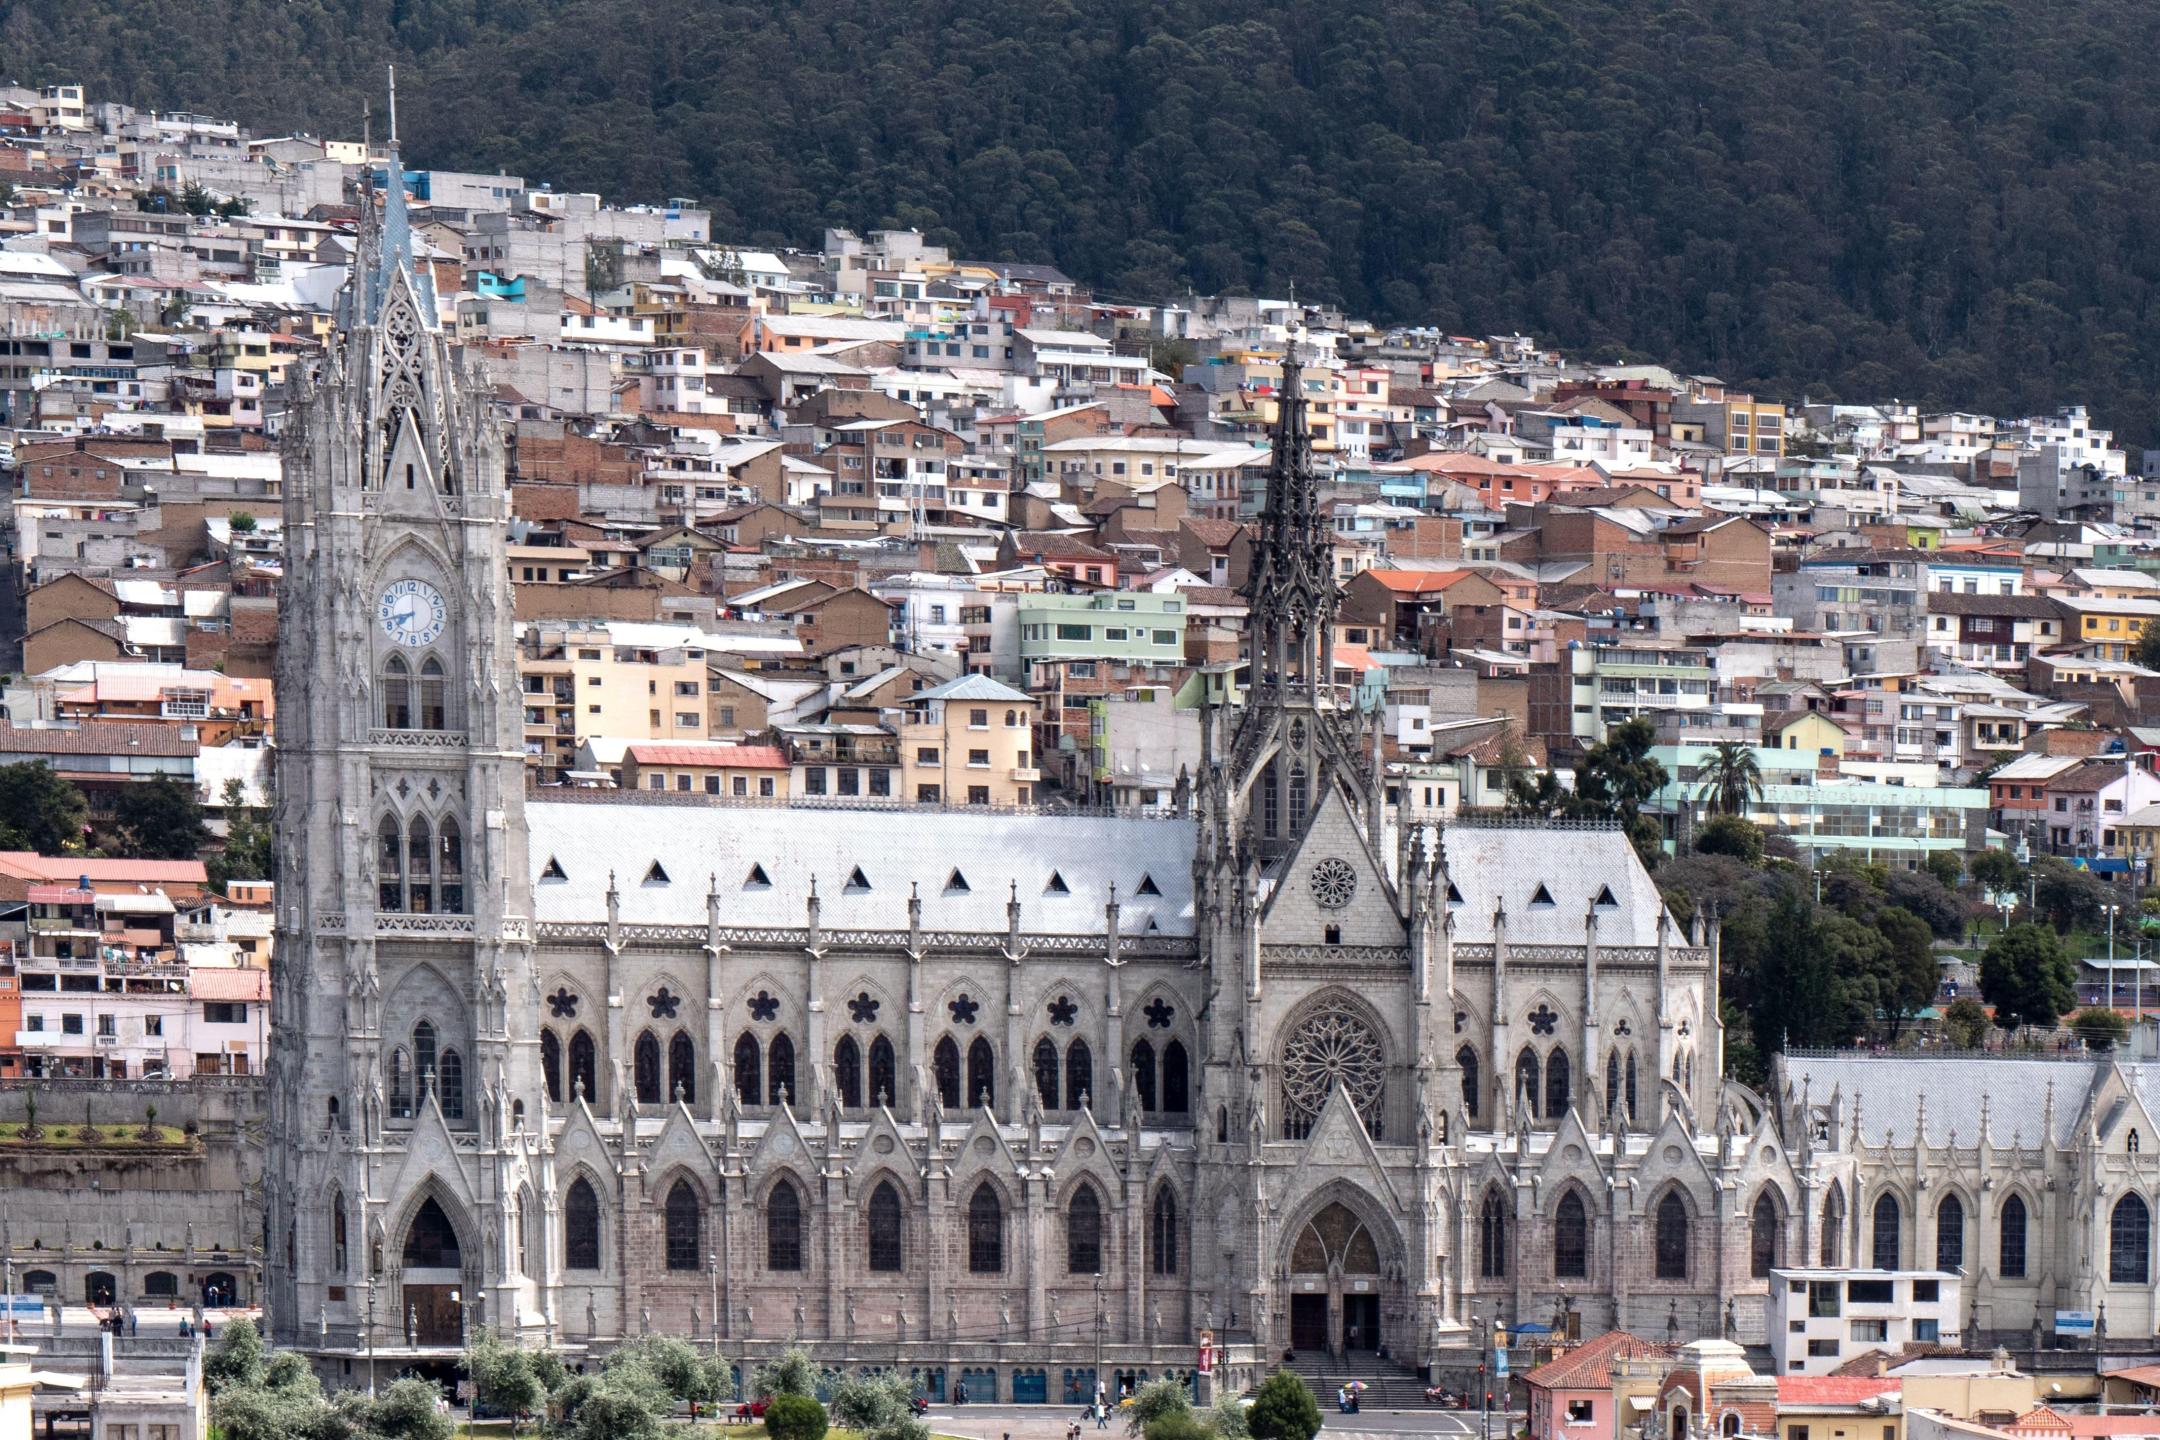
1946 200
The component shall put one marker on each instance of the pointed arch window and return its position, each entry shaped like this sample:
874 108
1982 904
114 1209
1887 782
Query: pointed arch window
397 697
682 1068
450 865
1079 1075
780 1071
887 1251
389 866
2010 1241
1143 1073
1672 1237
1832 1250
847 1072
433 690
452 1087
685 1228
1466 1061
986 1231
1889 1237
1222 1124
1571 1238
1176 1079
884 1073
1631 1115
1493 1238
1559 1083
645 1068
1950 1234
783 1229
338 1254
551 1065
1083 1233
581 1227
401 1085
1764 1234
423 1053
1046 1073
945 1068
2130 1242
584 1067
1612 1081
981 1074
748 1068
419 844
1526 1081
1163 1233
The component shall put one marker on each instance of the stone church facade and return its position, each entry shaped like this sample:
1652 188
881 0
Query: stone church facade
964 1090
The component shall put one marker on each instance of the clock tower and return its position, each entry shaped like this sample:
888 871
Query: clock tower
404 1078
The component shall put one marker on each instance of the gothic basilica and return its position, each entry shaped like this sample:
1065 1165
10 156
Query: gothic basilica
968 1090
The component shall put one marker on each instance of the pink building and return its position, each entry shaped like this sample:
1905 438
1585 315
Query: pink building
1573 1397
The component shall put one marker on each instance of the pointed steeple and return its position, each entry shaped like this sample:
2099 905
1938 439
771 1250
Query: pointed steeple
1291 587
385 248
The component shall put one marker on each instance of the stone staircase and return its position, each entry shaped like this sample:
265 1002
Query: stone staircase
1388 1385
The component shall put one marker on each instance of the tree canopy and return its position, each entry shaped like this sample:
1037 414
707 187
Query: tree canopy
1947 201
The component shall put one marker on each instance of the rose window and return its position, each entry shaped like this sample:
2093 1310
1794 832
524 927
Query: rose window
1333 1046
1333 883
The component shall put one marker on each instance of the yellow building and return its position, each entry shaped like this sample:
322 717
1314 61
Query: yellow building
1811 732
629 680
2111 625
969 741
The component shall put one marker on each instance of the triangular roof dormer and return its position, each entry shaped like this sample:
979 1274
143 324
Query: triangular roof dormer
1605 899
1147 886
757 879
1543 897
1057 885
956 884
657 875
1454 896
857 881
552 872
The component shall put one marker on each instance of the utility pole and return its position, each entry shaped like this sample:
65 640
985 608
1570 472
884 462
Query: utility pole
712 1263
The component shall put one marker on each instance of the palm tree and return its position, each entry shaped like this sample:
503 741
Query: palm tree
1731 778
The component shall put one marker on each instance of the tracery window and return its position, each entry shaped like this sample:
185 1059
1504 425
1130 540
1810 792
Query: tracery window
1334 1045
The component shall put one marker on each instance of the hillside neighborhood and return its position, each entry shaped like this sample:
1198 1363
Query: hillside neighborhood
1816 741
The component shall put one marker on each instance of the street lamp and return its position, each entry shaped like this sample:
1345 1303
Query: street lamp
2111 909
1099 1391
371 1337
1484 1384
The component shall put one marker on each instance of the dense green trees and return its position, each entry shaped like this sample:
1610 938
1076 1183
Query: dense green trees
41 810
1942 200
2028 977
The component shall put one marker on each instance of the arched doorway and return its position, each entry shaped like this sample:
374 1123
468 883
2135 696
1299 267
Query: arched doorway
432 1278
1336 1278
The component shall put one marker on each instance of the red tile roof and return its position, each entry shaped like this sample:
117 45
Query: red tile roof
732 757
1589 1366
1416 582
1834 1389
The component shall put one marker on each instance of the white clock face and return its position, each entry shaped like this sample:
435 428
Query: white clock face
412 612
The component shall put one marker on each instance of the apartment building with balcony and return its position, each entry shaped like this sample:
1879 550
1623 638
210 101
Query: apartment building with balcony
1610 684
1889 813
970 741
630 680
841 761
106 990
